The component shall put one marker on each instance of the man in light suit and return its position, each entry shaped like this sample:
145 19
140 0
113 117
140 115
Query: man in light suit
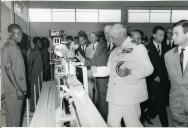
127 67
176 61
97 55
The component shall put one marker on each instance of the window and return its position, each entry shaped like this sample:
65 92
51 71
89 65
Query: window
74 15
86 15
178 15
39 15
106 15
63 15
160 16
135 16
156 16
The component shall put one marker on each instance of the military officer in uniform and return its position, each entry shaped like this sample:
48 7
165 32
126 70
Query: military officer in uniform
127 67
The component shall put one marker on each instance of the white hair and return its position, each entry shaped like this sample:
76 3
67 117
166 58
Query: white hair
117 29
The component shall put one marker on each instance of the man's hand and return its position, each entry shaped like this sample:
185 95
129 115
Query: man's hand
123 70
94 69
20 94
80 57
157 79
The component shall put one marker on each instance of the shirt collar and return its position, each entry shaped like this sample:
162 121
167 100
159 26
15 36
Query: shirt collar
12 42
179 49
169 41
126 42
155 43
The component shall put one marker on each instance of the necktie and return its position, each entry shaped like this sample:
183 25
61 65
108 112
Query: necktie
108 47
83 48
158 47
181 59
170 42
93 46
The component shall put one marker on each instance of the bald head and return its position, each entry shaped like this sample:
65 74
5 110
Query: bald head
107 28
118 29
118 32
106 32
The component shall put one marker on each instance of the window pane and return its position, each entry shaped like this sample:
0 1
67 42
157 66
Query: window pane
178 15
138 11
63 15
86 15
109 15
39 15
135 16
160 16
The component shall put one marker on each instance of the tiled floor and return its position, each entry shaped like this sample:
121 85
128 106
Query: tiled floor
156 122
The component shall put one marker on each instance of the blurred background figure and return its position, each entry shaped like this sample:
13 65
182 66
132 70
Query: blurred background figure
46 59
169 43
24 47
35 70
136 36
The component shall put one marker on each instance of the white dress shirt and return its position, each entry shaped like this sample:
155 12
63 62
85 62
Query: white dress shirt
169 42
83 48
185 58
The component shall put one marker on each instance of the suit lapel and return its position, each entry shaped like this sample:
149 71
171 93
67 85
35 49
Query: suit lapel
186 69
81 51
177 62
154 50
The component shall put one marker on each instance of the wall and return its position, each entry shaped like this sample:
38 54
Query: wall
42 29
7 17
5 21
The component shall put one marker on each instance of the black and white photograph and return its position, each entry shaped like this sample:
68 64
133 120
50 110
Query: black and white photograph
94 63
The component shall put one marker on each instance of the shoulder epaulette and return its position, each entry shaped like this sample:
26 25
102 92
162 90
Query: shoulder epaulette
134 42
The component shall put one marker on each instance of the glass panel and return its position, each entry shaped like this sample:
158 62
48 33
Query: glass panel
160 16
63 15
39 15
178 15
135 16
87 15
109 15
138 11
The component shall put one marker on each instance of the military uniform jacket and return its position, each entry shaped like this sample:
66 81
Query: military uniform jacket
129 89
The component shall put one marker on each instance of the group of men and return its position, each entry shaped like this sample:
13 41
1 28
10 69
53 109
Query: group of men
120 67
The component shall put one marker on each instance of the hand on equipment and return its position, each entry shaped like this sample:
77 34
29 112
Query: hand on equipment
80 57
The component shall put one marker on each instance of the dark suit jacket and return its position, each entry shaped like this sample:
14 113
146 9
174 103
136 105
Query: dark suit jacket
80 51
157 62
168 47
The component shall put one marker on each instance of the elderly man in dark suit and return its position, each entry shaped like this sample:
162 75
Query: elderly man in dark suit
176 61
158 79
